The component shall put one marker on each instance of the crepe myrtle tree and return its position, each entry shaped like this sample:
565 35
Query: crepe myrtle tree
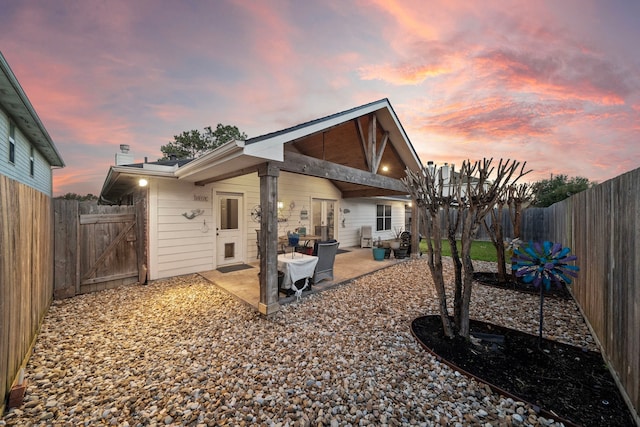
515 199
544 264
428 190
472 191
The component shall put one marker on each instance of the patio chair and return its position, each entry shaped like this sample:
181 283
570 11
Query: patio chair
366 240
326 257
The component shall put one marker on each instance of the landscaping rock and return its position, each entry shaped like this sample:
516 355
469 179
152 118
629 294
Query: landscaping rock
180 351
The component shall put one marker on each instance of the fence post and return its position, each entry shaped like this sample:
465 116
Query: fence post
65 248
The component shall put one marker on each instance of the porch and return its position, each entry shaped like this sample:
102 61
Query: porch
350 264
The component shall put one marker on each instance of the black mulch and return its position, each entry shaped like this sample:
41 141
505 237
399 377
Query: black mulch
563 381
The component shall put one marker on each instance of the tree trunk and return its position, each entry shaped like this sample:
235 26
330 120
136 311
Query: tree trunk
499 243
468 233
434 244
452 227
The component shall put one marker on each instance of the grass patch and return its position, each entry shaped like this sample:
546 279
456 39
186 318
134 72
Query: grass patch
480 250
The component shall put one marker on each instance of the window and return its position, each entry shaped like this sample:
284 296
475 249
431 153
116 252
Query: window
383 217
12 143
31 162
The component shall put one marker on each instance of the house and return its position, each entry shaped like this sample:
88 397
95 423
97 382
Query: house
27 155
330 176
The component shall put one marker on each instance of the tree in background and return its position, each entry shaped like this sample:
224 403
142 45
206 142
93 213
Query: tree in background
549 191
192 144
515 199
78 197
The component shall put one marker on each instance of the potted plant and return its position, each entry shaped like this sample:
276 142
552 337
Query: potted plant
378 251
396 241
294 238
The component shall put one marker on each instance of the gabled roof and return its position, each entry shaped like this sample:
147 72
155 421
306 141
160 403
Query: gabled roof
338 138
15 102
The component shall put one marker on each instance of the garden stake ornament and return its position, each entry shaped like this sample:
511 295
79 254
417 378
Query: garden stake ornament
544 264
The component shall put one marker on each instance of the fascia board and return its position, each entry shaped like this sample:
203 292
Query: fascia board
229 150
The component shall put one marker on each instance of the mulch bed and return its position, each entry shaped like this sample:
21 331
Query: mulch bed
566 383
491 279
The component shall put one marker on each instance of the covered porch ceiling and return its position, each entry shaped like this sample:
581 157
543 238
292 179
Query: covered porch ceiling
364 152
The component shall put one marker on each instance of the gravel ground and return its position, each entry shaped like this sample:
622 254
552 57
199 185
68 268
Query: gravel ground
182 352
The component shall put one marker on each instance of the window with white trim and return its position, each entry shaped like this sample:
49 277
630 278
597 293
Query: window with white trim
31 162
383 217
12 143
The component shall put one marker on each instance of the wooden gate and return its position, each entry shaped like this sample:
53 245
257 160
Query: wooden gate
97 247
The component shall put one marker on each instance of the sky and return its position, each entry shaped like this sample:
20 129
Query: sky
553 83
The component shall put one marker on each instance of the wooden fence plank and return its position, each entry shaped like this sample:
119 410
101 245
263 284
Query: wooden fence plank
602 227
102 218
26 273
66 247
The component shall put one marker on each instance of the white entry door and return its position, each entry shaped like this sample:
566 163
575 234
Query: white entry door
229 229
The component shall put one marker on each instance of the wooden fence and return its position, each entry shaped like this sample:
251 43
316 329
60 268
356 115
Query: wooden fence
602 228
97 247
26 274
534 223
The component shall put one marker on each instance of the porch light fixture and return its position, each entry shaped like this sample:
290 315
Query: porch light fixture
142 182
280 204
385 169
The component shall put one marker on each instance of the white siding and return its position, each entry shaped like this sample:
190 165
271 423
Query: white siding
300 190
363 212
181 246
178 245
20 169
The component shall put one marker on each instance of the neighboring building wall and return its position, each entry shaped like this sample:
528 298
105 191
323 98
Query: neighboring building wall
20 170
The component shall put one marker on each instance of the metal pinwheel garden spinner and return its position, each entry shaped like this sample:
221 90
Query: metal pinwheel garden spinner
543 265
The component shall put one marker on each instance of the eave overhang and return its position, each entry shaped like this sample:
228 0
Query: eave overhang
16 104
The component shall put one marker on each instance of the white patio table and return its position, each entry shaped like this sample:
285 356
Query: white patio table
296 266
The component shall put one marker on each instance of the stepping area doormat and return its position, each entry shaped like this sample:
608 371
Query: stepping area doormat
230 268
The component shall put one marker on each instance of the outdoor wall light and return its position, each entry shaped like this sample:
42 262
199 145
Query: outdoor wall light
142 182
280 205
385 169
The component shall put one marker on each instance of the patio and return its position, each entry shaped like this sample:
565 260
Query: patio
243 284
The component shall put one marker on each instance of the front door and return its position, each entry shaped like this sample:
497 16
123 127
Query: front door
229 247
323 218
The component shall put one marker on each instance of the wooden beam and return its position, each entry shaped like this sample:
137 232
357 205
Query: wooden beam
268 278
305 165
378 157
371 149
371 192
363 142
239 172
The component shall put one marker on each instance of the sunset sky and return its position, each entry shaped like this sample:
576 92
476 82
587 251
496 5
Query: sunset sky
554 83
